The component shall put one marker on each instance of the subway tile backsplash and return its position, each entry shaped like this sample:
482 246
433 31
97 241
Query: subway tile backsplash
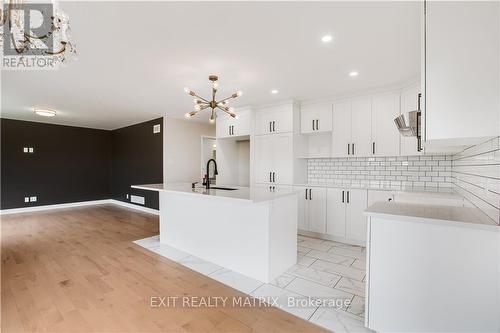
393 172
476 176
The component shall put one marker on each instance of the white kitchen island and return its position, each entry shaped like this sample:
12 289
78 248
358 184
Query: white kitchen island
252 231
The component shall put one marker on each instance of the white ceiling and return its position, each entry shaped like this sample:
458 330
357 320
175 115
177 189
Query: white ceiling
135 58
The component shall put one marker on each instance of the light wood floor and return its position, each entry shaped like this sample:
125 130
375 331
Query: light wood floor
78 270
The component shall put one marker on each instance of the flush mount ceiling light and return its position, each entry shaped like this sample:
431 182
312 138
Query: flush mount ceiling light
353 73
274 91
326 38
201 104
44 112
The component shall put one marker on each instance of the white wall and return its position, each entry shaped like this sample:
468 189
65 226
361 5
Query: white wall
182 144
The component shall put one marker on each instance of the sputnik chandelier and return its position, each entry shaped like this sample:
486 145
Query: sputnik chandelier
201 104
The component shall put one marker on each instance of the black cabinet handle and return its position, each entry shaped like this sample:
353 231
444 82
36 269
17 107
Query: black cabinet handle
313 124
373 147
274 177
310 194
317 124
343 196
348 149
270 128
306 193
270 177
347 196
274 130
353 154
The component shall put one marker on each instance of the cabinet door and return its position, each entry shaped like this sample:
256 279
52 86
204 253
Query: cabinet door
316 118
461 71
316 209
379 195
341 129
335 213
282 156
361 127
263 122
242 123
303 223
355 220
282 118
221 126
409 102
307 120
264 158
385 135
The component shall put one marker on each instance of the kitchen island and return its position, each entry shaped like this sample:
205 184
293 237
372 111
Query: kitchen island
250 230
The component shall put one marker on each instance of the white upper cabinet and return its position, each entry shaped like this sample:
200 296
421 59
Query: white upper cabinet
341 129
226 126
409 102
361 123
461 71
385 135
316 118
274 120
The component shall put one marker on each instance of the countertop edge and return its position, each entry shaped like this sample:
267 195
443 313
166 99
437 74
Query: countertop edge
485 225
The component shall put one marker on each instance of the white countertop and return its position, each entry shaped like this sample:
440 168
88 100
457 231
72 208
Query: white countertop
252 194
451 215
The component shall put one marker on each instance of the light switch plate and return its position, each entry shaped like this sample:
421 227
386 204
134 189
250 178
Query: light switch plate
26 199
32 199
31 150
156 128
25 149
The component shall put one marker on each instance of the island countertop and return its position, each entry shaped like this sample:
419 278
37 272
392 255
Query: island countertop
450 215
251 194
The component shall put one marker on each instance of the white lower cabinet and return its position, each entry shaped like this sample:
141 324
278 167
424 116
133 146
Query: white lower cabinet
312 209
345 218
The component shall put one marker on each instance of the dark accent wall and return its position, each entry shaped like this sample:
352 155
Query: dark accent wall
73 164
137 158
69 164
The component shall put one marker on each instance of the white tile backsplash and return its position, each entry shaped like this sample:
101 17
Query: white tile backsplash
476 176
400 171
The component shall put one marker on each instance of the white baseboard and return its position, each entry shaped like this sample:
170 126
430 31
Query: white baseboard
58 206
136 207
78 204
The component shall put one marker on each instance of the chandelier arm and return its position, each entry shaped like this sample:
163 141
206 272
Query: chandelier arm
199 97
229 113
225 99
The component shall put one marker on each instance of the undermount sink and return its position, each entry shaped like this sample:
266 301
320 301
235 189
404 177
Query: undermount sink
222 188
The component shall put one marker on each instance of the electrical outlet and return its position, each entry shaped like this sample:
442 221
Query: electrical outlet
127 196
26 199
156 128
25 149
32 199
31 150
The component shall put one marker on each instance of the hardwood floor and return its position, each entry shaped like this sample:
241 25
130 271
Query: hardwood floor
77 270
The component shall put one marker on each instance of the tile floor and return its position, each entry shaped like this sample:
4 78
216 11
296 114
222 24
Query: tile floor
325 270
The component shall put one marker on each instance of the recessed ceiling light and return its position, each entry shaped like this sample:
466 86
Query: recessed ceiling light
353 73
326 38
274 91
44 112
